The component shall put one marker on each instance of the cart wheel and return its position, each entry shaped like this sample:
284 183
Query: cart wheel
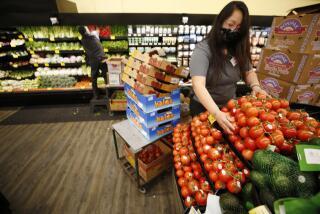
142 190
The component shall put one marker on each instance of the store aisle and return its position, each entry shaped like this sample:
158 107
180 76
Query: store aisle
71 168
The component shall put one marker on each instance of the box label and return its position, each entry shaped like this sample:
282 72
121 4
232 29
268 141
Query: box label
290 26
309 157
279 63
271 85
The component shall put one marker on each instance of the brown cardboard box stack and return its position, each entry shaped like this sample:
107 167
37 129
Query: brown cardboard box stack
290 65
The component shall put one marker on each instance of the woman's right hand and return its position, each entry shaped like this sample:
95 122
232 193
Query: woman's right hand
224 121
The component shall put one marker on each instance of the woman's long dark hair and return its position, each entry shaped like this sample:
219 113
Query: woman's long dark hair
241 50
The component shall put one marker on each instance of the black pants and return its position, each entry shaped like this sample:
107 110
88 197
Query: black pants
196 107
95 67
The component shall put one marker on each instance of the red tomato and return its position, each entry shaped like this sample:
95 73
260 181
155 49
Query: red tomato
230 167
203 157
282 112
297 123
284 103
239 114
189 201
304 135
255 132
245 106
270 117
253 121
188 175
239 145
261 96
239 163
242 100
289 132
182 182
203 117
277 139
217 166
275 104
214 154
193 156
197 174
268 105
252 112
193 186
263 142
269 127
231 104
293 115
242 121
283 121
200 151
213 176
183 151
176 158
195 166
233 138
247 154
187 169
219 185
210 140
311 122
250 144
201 198
224 109
205 186
185 159
257 103
206 148
185 192
180 173
244 131
217 135
205 132
225 176
178 165
234 186
208 164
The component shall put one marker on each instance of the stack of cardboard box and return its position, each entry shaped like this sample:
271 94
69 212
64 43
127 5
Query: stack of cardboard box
153 95
290 65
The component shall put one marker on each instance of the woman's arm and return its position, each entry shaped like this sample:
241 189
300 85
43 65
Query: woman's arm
199 87
253 82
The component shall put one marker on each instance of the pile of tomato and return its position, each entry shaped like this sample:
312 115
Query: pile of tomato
194 187
222 165
150 153
261 122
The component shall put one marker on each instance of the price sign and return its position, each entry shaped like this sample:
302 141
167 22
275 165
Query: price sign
36 65
106 50
31 51
112 37
57 51
30 39
46 64
63 64
51 39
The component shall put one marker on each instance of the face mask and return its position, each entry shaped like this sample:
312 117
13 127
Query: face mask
230 36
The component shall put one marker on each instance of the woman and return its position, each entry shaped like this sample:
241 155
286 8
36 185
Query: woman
220 61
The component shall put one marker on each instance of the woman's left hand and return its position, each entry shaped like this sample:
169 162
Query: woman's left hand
258 89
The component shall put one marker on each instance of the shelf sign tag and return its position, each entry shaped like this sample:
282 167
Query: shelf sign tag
46 64
15 56
20 37
106 50
57 51
51 38
36 65
309 157
79 37
112 37
13 45
211 119
63 64
30 39
15 65
31 51
19 78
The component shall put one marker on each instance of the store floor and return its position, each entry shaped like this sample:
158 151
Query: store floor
70 167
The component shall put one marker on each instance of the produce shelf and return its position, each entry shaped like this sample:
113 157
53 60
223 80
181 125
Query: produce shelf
113 38
114 86
46 90
114 51
11 47
53 39
54 65
153 45
153 35
57 51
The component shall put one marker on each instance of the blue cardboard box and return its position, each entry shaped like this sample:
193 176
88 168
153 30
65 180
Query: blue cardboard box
154 118
150 103
152 133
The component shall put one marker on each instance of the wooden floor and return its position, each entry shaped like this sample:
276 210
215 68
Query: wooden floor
72 168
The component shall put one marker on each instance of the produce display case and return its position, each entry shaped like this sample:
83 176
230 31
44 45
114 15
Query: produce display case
118 101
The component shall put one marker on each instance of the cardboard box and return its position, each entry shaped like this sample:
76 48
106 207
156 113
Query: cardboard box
305 94
275 87
152 133
296 33
152 102
150 71
114 78
311 71
114 65
148 80
154 118
156 167
284 65
117 104
143 89
160 63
